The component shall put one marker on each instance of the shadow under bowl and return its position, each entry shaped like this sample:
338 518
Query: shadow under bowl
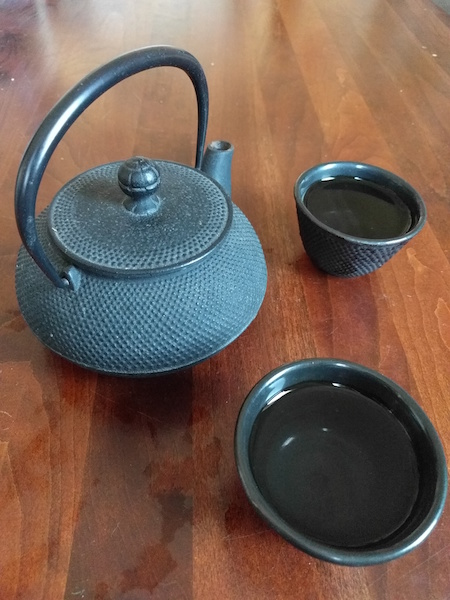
353 217
340 461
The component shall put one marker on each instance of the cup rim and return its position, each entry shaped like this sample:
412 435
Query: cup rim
273 384
364 171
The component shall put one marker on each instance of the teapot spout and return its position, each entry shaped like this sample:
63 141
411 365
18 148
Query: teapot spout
217 163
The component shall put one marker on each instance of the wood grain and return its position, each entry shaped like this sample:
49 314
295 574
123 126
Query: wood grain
116 489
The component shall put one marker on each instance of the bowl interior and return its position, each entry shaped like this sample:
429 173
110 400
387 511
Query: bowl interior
341 461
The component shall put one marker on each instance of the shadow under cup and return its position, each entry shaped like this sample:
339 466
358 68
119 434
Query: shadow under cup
353 217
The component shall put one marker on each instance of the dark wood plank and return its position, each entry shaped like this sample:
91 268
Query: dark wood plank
127 489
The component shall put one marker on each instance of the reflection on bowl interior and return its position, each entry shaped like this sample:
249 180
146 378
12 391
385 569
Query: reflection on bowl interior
334 464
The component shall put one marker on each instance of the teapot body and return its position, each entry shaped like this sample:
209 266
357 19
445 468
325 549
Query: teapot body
142 267
136 326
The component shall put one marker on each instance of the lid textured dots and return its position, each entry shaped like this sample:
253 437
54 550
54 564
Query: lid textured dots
89 221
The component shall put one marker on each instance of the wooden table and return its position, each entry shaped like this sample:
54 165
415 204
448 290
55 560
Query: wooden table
127 489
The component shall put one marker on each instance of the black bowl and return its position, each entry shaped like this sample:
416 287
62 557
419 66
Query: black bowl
340 461
362 217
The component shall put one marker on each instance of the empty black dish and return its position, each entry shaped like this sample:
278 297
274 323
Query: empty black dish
341 461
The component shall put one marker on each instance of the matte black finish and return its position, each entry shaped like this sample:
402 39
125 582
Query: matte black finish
100 226
141 267
341 461
140 179
338 244
69 108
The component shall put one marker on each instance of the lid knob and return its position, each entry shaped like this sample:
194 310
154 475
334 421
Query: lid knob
139 179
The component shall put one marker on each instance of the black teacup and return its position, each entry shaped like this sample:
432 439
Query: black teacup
353 217
341 461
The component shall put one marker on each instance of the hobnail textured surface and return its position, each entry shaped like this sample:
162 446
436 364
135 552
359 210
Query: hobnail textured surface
143 326
89 222
339 256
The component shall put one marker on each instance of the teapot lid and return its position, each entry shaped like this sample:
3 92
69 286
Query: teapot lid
139 217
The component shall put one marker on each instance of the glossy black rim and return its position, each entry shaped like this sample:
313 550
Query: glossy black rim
407 410
368 172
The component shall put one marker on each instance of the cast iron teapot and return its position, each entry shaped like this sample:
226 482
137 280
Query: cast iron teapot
140 267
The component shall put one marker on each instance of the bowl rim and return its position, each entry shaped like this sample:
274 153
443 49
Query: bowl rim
364 171
274 383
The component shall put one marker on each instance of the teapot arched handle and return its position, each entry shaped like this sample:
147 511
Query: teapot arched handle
69 108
